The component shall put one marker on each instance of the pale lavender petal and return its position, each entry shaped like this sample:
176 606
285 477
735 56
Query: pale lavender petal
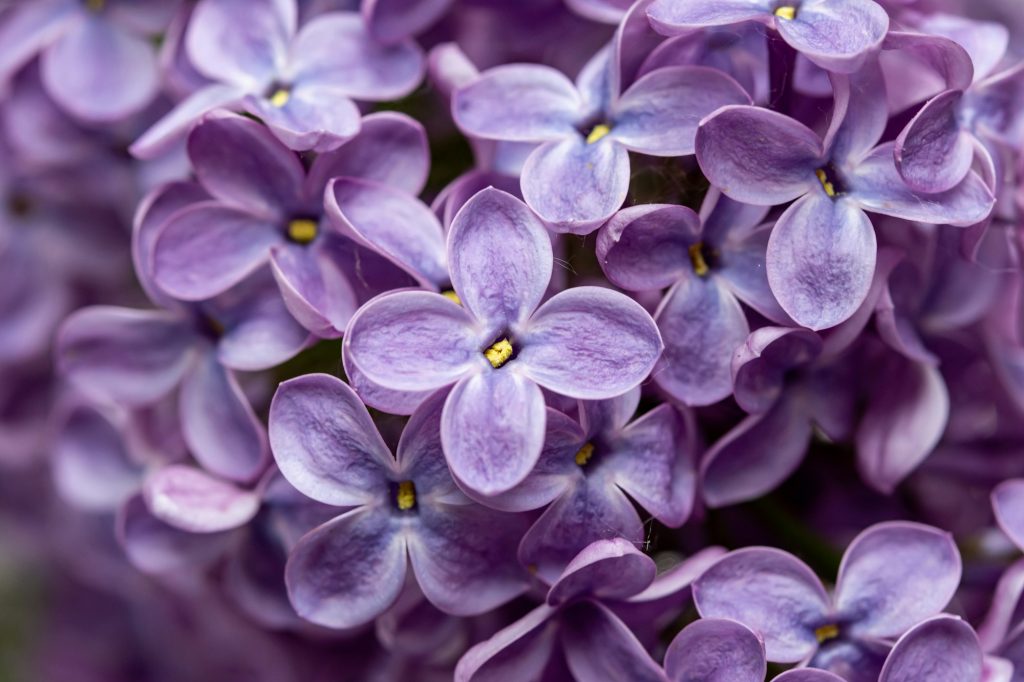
304 277
590 343
716 650
770 591
838 36
349 570
449 68
659 114
259 331
520 650
29 28
608 416
376 396
242 42
605 11
807 675
1008 505
492 429
758 156
599 646
153 546
675 582
315 118
646 247
162 135
932 153
606 569
500 286
821 259
92 468
420 456
984 41
894 575
743 270
394 20
192 500
860 114
326 444
941 649
679 16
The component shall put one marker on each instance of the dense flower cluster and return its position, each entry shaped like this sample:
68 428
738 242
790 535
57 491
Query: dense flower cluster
548 340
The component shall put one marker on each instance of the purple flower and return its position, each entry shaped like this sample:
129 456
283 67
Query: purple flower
710 265
821 255
394 510
1008 505
498 348
893 576
299 81
943 649
838 35
579 175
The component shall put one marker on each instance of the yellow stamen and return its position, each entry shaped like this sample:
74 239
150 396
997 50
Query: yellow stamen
826 632
406 496
700 266
830 189
786 12
302 230
280 98
584 454
597 133
499 353
95 5
452 296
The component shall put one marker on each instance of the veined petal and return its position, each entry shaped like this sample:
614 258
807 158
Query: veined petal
716 650
315 118
838 36
242 42
680 16
192 500
940 649
932 153
605 569
646 247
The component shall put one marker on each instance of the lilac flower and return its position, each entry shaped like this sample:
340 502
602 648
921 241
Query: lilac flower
838 35
893 576
1001 633
392 511
96 58
262 206
711 264
1008 505
821 255
579 175
299 81
498 348
943 649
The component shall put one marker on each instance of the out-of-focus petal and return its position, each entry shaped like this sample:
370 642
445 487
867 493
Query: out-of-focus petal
192 500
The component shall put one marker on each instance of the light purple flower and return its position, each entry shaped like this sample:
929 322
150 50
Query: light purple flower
893 576
498 348
393 511
943 649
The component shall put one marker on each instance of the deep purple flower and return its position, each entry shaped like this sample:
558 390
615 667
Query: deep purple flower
821 255
498 348
392 511
299 81
893 576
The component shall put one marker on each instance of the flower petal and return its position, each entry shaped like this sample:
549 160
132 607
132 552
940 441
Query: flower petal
1008 505
716 650
941 649
393 20
837 36
160 137
192 500
894 575
646 247
242 42
589 343
932 153
605 569
92 468
599 646
519 651
680 16
326 444
153 546
760 366
315 118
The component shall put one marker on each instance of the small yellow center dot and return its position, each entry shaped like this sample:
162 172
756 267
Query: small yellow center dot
584 454
499 353
830 189
95 5
786 12
452 296
280 98
406 496
826 632
302 230
597 133
700 266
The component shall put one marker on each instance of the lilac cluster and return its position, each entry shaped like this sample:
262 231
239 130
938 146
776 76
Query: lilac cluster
535 341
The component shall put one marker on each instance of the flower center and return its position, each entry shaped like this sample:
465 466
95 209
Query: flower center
280 97
302 230
597 132
787 12
700 264
95 5
499 353
826 632
584 454
405 498
452 296
829 182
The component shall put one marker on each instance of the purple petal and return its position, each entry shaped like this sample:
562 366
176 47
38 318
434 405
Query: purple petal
242 42
599 646
315 118
984 41
492 429
739 467
604 11
716 650
932 153
820 260
646 247
743 270
679 16
659 113
941 649
589 343
807 675
92 468
325 443
161 136
378 397
837 36
119 355
606 569
30 27
1007 595
153 546
758 156
860 114
703 325
520 650
770 591
500 286
394 20
192 500
894 575
219 424
1008 505
304 277
575 185
420 455
760 366
522 102
349 570
442 333
464 557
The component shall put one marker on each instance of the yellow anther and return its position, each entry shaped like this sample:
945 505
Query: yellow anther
826 632
280 98
597 133
499 353
452 296
406 497
700 266
95 5
830 189
584 454
786 12
302 230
